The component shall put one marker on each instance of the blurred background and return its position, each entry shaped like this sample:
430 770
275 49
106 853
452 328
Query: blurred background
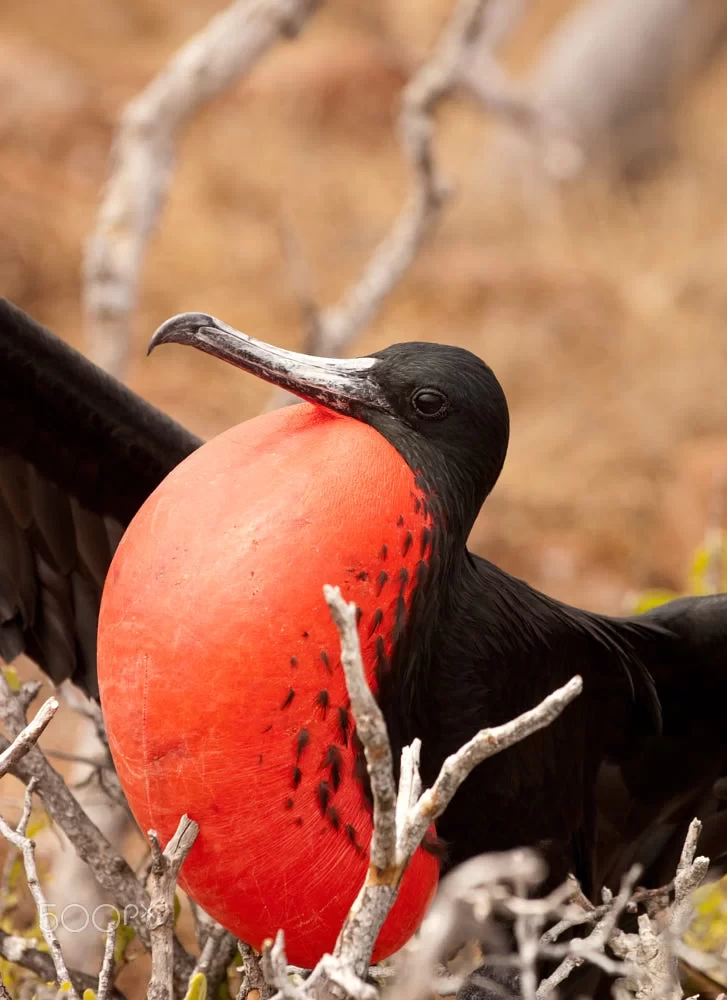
600 301
588 272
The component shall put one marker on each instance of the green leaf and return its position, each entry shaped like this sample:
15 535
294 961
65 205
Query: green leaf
11 676
197 987
124 936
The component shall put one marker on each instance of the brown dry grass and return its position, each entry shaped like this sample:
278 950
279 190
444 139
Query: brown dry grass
604 319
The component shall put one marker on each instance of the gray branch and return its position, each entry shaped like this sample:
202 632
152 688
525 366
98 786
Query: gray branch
160 916
109 868
26 846
373 903
28 736
143 158
105 977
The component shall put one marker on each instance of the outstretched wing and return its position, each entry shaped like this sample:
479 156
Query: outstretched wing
79 454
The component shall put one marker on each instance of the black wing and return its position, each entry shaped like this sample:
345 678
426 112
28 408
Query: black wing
79 454
677 773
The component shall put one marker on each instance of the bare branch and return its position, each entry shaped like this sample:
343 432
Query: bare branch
371 730
275 969
435 80
486 743
108 867
652 951
581 950
160 916
143 155
107 966
28 737
374 901
27 848
253 985
24 952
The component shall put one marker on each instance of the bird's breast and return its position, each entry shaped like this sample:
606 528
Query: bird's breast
220 673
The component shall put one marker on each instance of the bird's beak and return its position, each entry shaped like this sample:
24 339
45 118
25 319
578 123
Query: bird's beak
340 384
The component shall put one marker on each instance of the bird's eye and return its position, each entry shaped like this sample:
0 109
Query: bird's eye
429 403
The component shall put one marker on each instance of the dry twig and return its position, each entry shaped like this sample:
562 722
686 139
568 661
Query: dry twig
108 867
652 951
26 846
160 916
105 976
475 26
28 737
392 848
253 985
143 154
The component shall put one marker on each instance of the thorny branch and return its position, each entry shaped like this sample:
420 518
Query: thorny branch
143 155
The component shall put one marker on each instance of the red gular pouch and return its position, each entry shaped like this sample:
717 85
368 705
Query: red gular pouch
220 675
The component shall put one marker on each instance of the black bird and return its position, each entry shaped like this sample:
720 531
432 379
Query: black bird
619 775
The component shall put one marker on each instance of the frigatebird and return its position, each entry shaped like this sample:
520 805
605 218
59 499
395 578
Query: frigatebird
467 644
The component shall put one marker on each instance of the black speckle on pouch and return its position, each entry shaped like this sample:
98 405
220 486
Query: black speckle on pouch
324 795
426 539
383 577
376 621
323 700
344 724
288 698
301 743
297 776
407 542
334 761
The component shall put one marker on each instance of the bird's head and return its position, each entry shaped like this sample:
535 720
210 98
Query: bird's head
441 407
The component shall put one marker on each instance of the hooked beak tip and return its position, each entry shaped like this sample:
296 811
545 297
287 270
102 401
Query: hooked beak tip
179 329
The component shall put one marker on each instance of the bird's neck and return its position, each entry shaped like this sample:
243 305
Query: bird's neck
404 688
